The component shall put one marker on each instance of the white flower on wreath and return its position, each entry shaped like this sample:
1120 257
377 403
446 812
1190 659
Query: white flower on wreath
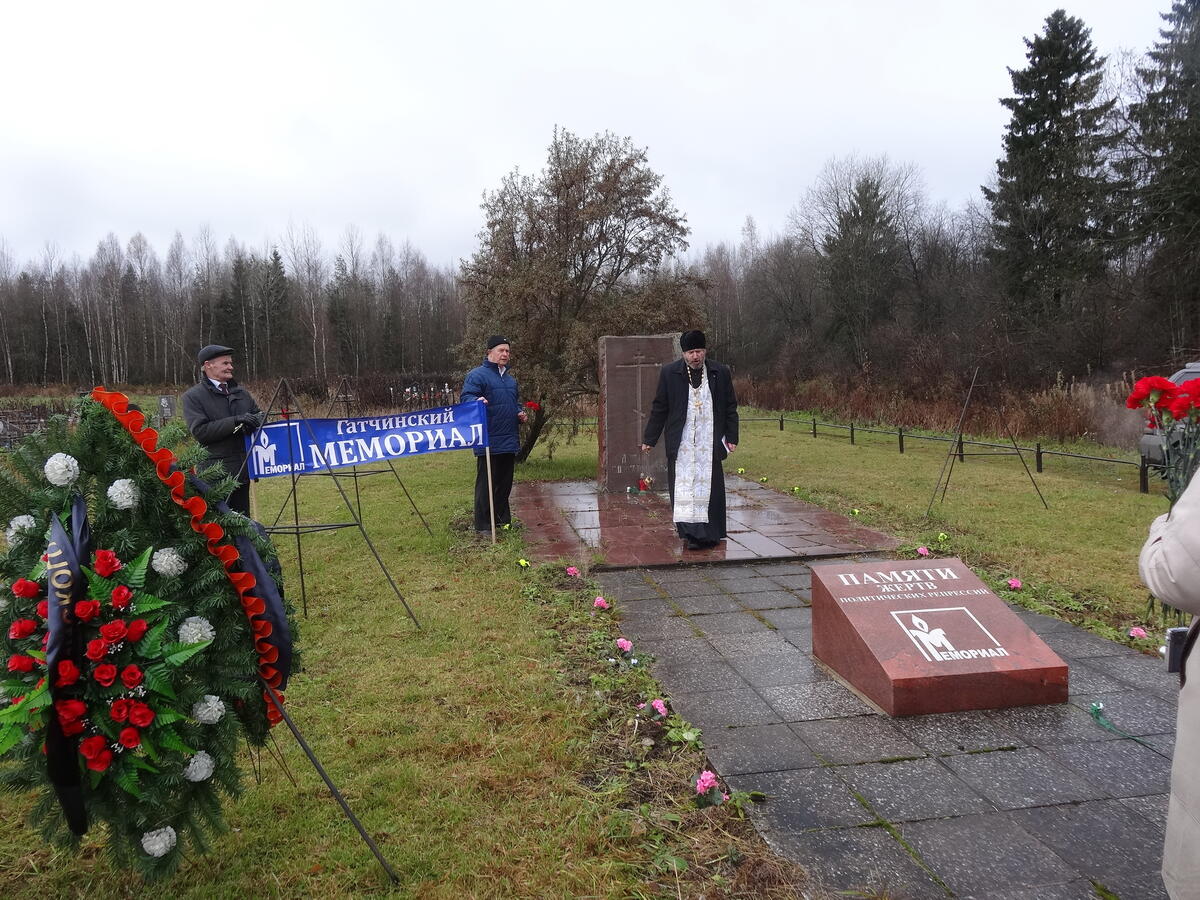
123 493
200 767
209 710
159 842
195 630
168 562
61 469
19 525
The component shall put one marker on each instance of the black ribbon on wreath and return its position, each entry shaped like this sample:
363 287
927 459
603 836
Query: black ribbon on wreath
65 584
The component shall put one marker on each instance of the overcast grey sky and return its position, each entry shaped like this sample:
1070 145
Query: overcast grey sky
396 117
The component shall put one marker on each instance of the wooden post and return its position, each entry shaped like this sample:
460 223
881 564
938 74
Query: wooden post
487 453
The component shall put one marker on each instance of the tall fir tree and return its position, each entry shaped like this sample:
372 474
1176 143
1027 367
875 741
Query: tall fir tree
1052 198
860 261
1166 171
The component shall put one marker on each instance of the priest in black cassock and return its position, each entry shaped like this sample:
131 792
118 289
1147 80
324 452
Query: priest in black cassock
696 405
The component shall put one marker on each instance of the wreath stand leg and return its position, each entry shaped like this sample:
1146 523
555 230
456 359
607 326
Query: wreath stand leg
337 795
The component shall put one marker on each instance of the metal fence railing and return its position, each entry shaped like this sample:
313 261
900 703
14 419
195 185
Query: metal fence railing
1039 453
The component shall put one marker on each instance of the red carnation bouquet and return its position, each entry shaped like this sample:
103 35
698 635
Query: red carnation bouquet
1175 414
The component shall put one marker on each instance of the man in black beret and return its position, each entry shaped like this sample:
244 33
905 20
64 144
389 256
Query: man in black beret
696 405
220 413
492 383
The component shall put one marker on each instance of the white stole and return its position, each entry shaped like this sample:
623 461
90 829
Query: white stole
693 463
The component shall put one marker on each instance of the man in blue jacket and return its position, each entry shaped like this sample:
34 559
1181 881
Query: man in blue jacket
493 384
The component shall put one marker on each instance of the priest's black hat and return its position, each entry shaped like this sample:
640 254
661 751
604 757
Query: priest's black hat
692 340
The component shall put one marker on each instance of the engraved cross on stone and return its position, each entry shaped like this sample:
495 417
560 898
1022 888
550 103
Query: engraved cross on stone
638 364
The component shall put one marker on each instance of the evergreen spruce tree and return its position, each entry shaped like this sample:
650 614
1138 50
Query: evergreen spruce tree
860 263
1050 204
1166 171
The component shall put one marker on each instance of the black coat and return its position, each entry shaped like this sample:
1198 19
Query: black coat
211 417
669 409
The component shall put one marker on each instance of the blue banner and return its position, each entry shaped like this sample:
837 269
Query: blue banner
316 445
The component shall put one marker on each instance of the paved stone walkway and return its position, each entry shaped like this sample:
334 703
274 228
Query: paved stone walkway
1035 802
570 519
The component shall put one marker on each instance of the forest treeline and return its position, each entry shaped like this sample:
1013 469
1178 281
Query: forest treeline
1080 258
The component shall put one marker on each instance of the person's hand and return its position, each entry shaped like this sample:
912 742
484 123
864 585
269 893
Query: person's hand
252 420
522 417
731 447
646 448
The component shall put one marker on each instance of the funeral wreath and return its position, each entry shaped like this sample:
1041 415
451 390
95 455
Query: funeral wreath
144 636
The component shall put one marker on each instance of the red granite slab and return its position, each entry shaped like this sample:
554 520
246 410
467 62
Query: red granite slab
928 637
635 529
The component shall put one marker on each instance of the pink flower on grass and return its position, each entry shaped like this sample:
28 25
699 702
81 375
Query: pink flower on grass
1137 632
1014 584
600 603
706 782
641 706
659 707
922 551
624 645
572 571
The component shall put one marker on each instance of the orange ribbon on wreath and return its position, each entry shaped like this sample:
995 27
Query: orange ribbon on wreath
168 472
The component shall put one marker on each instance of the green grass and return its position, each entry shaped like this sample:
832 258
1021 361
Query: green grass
1077 559
490 753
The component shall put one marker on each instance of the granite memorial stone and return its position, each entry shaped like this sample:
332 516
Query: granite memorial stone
928 637
628 380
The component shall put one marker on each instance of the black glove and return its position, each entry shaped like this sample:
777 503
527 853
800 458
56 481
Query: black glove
251 421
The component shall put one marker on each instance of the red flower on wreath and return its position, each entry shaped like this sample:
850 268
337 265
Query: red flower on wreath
69 710
96 649
121 596
119 710
43 609
90 747
113 631
21 629
25 588
70 729
105 674
131 676
140 714
19 662
68 673
137 629
86 610
100 761
533 404
129 738
107 564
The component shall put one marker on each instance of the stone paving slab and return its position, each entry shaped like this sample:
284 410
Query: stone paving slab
576 520
1029 802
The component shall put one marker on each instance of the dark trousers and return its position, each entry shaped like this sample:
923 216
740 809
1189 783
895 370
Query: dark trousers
502 479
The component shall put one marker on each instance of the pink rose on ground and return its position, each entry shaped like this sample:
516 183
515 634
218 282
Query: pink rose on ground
572 571
922 551
1014 584
706 782
659 707
600 603
624 645
1137 632
641 706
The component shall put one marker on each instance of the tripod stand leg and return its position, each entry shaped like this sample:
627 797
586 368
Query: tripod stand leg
337 795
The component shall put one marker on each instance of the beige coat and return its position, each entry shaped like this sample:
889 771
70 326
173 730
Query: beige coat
1170 566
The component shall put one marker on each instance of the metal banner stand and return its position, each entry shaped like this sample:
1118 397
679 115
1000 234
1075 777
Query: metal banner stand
296 528
957 451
